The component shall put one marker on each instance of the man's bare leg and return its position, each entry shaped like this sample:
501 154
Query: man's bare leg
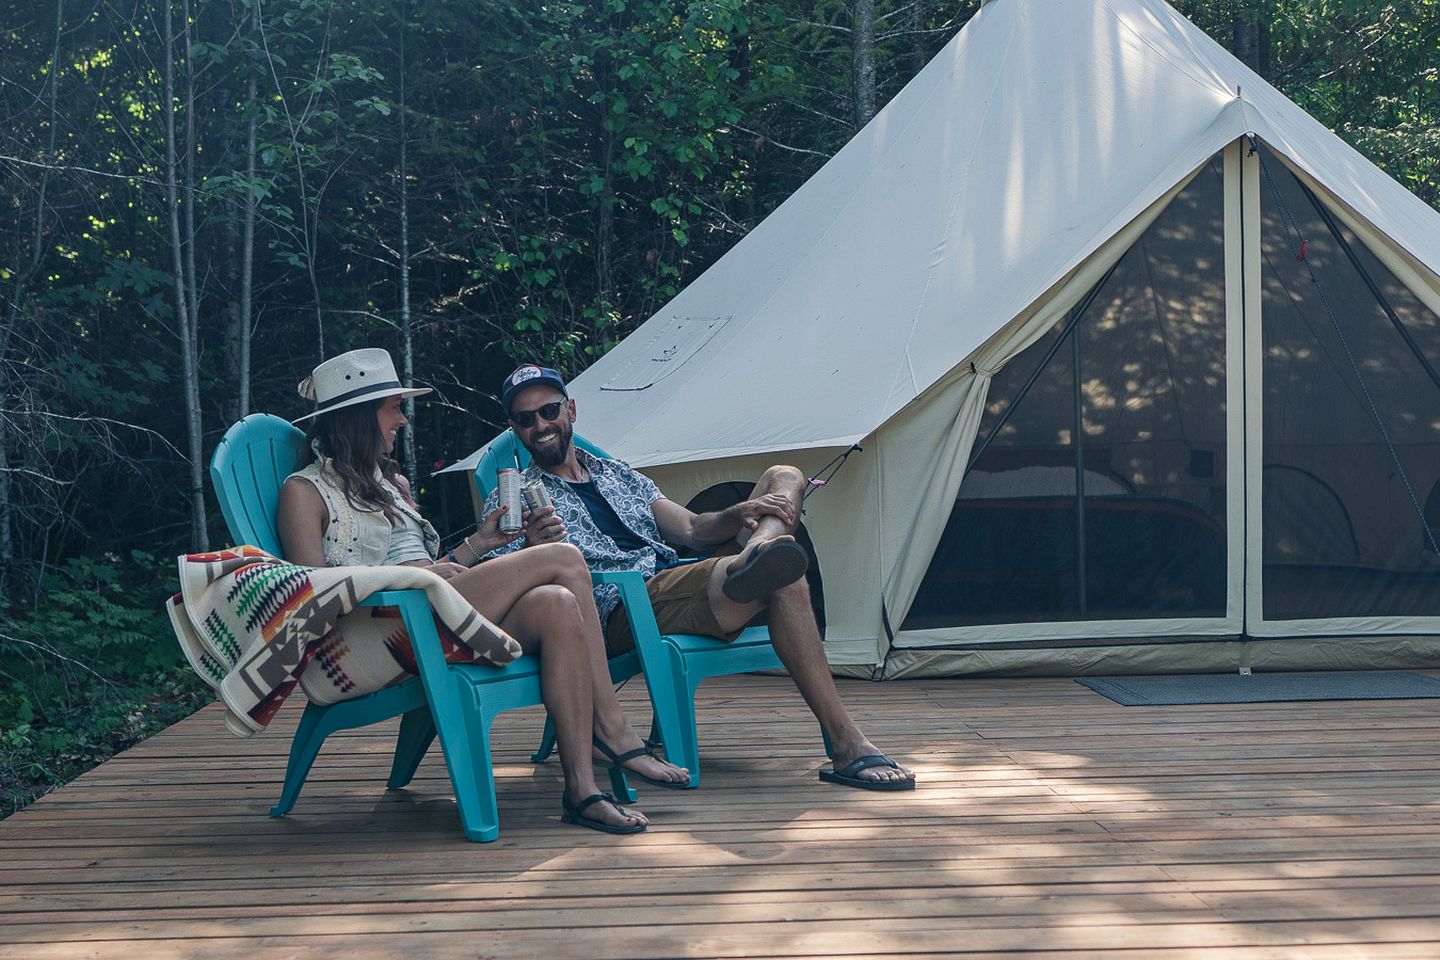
612 727
546 620
495 585
786 481
795 634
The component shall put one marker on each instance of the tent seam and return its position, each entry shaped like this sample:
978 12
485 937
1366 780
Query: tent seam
1211 83
907 366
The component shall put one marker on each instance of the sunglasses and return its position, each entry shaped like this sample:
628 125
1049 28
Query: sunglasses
525 419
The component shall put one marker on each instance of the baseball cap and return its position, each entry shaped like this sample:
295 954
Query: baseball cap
528 375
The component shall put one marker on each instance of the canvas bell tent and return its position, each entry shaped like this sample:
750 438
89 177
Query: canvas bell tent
1141 359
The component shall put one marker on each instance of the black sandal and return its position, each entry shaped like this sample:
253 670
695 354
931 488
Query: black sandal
617 762
769 567
575 814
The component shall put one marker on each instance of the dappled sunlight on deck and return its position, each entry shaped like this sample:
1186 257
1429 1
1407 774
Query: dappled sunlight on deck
1048 820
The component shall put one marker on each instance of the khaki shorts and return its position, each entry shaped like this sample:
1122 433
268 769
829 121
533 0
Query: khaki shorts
681 598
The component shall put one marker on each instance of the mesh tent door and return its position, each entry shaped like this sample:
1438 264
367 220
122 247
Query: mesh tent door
1350 422
1097 489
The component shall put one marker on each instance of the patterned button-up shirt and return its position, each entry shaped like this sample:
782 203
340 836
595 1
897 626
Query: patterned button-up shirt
630 494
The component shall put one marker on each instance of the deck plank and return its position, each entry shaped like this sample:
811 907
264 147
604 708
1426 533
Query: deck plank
1049 822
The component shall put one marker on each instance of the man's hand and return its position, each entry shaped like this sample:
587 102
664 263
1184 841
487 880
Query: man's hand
544 526
749 513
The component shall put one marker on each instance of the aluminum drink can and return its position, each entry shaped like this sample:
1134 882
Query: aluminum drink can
535 494
509 487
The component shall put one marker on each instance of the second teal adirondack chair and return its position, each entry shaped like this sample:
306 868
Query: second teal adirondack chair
457 702
674 664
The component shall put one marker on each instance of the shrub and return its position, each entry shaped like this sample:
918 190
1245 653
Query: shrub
89 669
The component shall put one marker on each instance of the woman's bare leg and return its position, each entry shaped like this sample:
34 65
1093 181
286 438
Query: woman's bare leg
546 620
493 586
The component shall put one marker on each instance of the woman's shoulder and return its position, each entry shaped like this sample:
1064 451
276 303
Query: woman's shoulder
299 500
310 480
310 471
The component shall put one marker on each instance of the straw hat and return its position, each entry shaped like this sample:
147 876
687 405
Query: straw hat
355 377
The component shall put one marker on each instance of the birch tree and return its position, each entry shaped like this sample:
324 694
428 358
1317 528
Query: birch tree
182 270
407 333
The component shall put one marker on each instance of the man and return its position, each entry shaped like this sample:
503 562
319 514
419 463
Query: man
620 520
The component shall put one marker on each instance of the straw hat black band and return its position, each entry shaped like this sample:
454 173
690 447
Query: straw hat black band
359 392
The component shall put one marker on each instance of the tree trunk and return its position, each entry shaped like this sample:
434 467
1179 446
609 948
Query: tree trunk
247 258
239 266
192 188
605 214
916 23
1245 28
605 229
862 33
407 373
743 61
189 360
230 263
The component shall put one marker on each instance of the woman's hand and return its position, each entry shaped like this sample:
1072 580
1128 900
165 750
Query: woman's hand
488 536
445 569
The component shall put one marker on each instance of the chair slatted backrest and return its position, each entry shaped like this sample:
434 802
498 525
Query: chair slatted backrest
506 450
248 468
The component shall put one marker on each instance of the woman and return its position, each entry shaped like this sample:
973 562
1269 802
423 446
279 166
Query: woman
352 506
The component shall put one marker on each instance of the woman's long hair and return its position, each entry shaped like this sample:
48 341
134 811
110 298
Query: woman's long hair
350 438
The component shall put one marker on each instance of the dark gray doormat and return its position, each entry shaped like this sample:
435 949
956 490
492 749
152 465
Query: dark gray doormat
1263 687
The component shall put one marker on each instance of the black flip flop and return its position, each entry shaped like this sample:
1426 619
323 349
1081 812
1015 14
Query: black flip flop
575 815
847 776
617 761
769 567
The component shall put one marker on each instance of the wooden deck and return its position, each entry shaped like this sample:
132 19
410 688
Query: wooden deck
1050 822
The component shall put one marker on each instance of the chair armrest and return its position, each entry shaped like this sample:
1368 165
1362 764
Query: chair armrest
632 590
415 612
618 577
636 602
391 597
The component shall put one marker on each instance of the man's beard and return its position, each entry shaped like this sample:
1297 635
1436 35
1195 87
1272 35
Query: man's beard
553 455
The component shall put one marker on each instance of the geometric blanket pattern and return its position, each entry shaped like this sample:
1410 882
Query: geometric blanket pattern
254 627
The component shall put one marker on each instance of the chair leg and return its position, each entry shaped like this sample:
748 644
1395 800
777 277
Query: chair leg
417 732
309 736
673 696
467 757
620 786
547 742
688 751
829 747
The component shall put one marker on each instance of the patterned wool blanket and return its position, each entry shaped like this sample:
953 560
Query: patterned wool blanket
253 626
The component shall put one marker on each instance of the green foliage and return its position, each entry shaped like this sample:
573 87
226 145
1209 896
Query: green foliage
87 671
1366 70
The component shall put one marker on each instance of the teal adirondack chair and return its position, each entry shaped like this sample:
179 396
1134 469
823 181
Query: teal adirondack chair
674 664
457 702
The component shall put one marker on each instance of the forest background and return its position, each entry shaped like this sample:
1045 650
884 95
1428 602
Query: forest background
201 199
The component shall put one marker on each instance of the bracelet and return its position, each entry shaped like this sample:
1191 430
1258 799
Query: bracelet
473 552
452 558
